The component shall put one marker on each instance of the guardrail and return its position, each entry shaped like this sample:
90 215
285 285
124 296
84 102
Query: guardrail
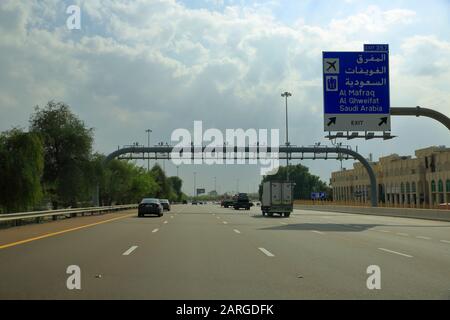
69 213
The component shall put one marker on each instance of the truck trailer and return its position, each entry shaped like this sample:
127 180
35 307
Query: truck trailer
277 197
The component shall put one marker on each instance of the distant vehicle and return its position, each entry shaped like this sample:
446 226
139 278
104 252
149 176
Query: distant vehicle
277 198
165 204
242 201
194 202
228 203
184 201
150 206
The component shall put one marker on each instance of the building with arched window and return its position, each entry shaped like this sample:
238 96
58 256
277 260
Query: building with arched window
401 180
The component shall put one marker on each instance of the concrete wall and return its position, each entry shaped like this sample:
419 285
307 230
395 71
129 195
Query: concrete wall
428 214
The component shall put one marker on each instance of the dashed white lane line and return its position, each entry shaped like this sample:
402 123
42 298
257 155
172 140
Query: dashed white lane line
384 231
236 230
402 234
318 232
266 252
395 252
224 222
283 223
445 241
424 238
126 253
155 230
171 217
166 222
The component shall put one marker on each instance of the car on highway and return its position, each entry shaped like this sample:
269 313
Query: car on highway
228 203
194 202
150 206
165 204
242 201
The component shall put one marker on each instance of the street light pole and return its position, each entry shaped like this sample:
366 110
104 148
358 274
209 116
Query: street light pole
286 95
148 144
195 186
215 186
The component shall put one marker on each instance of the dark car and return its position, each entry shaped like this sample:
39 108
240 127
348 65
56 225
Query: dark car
242 201
165 203
228 203
150 206
194 202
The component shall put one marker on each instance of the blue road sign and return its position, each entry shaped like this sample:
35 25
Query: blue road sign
356 90
318 195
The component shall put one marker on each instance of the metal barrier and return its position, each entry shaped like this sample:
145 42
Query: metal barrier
73 212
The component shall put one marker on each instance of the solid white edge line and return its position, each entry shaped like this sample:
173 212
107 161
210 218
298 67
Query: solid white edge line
126 253
395 252
318 232
266 252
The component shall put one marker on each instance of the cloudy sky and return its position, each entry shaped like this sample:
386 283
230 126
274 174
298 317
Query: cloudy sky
162 64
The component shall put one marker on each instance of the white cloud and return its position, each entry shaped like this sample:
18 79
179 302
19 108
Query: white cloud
159 64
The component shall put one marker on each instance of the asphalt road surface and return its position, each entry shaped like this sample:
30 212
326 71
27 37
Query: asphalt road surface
209 252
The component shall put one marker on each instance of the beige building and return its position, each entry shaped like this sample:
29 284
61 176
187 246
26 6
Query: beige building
401 180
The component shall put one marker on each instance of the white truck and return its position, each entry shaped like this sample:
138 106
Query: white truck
277 197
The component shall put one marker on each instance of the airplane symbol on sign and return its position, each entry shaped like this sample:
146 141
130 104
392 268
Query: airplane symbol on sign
331 65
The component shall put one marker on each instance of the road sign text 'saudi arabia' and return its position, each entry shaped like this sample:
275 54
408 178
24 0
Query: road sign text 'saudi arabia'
356 90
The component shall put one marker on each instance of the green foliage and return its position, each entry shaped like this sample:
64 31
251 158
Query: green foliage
165 189
67 153
176 183
305 182
21 168
55 160
123 182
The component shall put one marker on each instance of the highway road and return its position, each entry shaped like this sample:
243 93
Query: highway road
209 252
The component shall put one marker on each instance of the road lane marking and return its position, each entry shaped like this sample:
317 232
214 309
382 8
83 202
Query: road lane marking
62 231
424 238
445 241
166 222
155 230
126 253
236 230
385 231
318 232
395 252
402 234
283 223
225 222
266 252
171 217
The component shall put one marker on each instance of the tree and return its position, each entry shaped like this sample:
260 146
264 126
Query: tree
165 189
21 168
67 153
123 182
176 184
305 182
